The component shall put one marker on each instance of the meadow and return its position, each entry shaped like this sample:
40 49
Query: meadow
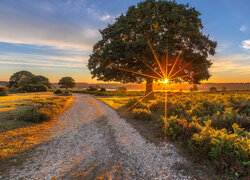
26 120
213 126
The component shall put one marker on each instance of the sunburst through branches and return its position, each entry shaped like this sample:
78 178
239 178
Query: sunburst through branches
170 70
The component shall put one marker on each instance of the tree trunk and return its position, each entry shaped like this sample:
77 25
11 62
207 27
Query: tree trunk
149 87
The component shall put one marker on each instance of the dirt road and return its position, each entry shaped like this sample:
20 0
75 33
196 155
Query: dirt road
91 141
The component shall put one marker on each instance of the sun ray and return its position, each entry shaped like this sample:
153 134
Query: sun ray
139 73
156 58
176 60
136 102
152 69
166 66
166 111
180 69
185 76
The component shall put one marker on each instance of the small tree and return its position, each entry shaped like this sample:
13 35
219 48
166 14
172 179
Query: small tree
195 87
67 82
213 89
224 88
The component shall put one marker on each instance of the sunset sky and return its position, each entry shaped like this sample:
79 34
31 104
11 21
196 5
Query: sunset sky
55 37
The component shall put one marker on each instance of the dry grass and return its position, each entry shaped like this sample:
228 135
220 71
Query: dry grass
17 135
116 102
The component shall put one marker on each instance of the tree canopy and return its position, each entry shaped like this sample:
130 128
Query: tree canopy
67 82
29 82
39 79
20 77
124 44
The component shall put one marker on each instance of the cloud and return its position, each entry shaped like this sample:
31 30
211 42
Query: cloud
236 63
70 61
101 16
246 44
243 28
106 18
41 24
47 34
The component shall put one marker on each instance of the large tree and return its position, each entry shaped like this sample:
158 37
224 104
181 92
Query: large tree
126 43
39 79
20 78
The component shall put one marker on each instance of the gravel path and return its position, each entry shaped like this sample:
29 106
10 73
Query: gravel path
91 141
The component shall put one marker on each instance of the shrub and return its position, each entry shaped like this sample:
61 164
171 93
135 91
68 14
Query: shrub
138 105
92 88
142 114
225 119
34 88
40 88
67 93
121 90
4 91
102 89
212 89
34 114
224 88
58 91
181 128
226 149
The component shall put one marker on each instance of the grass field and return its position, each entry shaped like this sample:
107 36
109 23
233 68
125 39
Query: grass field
213 126
17 131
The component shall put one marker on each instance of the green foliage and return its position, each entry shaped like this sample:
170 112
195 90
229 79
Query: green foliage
25 81
67 82
34 88
4 91
181 128
20 77
142 114
124 43
213 89
92 88
40 80
58 91
121 90
102 89
232 148
42 111
211 124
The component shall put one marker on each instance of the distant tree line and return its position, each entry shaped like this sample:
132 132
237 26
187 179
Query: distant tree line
25 81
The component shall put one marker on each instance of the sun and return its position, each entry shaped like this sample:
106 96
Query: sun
166 81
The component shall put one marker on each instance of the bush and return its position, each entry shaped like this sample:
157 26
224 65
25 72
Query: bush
226 149
102 89
41 88
181 128
142 114
58 91
121 90
67 93
212 89
34 88
34 114
225 119
224 88
92 88
4 91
